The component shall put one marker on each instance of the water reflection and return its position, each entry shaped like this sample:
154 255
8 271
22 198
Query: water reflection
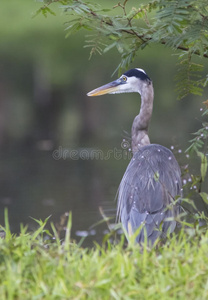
37 185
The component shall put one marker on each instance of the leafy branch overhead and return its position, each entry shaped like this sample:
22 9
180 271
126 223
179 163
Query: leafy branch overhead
130 26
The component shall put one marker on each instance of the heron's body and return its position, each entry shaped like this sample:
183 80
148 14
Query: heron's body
149 186
152 180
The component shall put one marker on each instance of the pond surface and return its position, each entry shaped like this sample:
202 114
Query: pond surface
38 184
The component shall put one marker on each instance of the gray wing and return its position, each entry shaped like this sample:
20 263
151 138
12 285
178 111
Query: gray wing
147 192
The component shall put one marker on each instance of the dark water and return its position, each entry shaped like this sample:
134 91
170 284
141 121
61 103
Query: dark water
42 183
83 181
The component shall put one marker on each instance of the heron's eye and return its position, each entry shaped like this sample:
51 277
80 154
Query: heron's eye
124 78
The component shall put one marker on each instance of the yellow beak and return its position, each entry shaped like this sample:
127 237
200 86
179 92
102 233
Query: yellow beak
108 88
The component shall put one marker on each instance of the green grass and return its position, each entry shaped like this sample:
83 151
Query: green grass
33 267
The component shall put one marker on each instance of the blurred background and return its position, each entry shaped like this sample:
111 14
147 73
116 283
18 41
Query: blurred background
61 151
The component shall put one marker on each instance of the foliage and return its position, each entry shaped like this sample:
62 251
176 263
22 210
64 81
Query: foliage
179 24
198 148
34 267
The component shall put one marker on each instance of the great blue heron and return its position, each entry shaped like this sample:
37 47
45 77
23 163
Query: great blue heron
152 181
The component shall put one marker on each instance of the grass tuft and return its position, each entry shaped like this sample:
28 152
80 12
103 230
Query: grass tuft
33 267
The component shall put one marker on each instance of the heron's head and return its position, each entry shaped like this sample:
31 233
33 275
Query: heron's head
132 81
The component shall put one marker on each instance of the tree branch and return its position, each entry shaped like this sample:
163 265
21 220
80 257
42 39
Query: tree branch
131 31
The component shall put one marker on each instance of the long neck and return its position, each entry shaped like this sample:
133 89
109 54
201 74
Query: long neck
139 132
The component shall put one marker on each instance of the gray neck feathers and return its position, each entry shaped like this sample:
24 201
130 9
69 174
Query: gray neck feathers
141 122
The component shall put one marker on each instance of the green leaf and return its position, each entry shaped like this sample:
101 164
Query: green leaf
7 227
109 47
204 196
37 13
203 167
50 11
41 229
156 176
